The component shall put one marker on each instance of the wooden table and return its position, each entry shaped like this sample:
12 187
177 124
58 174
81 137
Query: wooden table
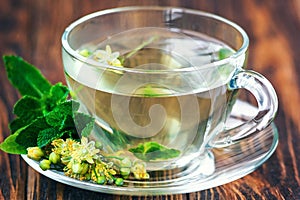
33 28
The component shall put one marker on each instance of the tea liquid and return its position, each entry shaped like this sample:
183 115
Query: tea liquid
175 109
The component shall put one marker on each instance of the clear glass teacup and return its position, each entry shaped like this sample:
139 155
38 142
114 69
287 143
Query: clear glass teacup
160 83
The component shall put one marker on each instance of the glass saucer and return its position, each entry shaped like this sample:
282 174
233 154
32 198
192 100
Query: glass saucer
231 163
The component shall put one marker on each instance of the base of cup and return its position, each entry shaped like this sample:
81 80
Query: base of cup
193 161
202 166
200 162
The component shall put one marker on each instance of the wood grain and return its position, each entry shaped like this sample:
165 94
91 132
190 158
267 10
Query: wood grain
32 29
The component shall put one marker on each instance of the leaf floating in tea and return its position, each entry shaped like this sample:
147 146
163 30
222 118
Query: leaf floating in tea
85 53
148 92
154 151
224 53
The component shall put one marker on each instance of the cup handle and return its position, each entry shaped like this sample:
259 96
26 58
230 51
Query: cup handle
267 101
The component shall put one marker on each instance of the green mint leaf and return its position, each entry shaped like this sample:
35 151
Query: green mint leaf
56 117
18 123
25 77
154 151
11 146
53 125
47 135
69 128
72 133
28 107
67 123
83 123
27 136
58 94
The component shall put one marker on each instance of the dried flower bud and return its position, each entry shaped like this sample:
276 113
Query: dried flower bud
45 164
35 153
98 145
126 162
54 158
125 172
80 168
101 180
119 182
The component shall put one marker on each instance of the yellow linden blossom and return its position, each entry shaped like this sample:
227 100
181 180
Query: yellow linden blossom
108 57
77 151
83 161
102 169
139 170
64 148
85 151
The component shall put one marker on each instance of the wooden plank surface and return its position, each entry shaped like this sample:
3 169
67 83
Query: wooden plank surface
33 28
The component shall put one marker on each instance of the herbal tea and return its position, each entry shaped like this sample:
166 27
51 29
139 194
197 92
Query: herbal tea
145 111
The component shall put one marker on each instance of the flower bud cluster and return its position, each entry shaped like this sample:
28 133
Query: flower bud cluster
82 160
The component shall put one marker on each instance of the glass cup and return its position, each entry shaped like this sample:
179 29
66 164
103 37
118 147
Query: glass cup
160 83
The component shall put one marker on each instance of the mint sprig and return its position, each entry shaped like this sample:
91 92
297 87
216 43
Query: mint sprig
43 113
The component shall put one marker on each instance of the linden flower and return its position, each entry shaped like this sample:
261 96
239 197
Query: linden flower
102 172
107 56
64 148
85 151
139 170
